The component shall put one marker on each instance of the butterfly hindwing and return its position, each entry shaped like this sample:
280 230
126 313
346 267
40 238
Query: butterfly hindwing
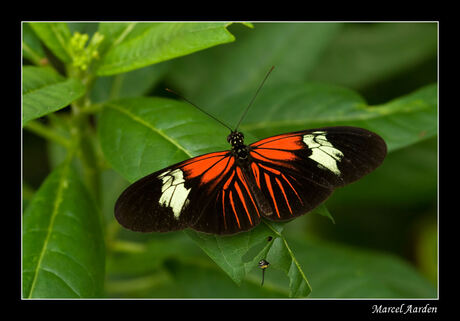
288 193
233 207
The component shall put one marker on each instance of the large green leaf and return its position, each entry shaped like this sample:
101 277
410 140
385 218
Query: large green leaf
293 48
285 108
365 54
55 36
338 271
129 84
63 247
239 254
136 45
45 91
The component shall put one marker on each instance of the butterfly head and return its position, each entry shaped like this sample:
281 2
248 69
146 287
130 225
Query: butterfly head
235 138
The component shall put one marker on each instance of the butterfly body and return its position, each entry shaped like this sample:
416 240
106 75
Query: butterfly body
277 178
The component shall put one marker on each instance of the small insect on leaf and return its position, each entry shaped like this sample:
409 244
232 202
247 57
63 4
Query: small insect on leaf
263 264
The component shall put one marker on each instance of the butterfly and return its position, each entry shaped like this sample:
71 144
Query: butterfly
277 178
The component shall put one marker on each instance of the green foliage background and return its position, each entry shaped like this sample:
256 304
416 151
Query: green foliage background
96 117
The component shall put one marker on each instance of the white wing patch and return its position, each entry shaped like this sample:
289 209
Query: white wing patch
323 152
174 194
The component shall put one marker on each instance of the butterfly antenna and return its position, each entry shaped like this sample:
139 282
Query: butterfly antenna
253 98
203 111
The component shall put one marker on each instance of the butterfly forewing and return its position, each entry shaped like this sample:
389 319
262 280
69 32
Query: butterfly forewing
298 171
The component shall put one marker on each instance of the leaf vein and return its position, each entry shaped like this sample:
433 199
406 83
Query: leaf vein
56 206
149 126
63 280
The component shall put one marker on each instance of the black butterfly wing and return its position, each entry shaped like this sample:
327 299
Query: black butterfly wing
206 193
298 171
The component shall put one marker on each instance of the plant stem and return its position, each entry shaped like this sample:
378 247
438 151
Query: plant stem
116 86
36 59
138 284
84 135
294 260
86 151
127 247
47 133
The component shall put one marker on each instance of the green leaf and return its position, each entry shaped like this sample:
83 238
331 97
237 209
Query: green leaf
364 54
293 48
83 27
45 91
322 210
130 84
55 36
282 257
285 108
138 45
115 33
239 254
63 248
408 119
338 271
230 252
31 46
35 78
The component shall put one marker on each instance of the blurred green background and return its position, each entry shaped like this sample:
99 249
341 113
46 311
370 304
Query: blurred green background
380 61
